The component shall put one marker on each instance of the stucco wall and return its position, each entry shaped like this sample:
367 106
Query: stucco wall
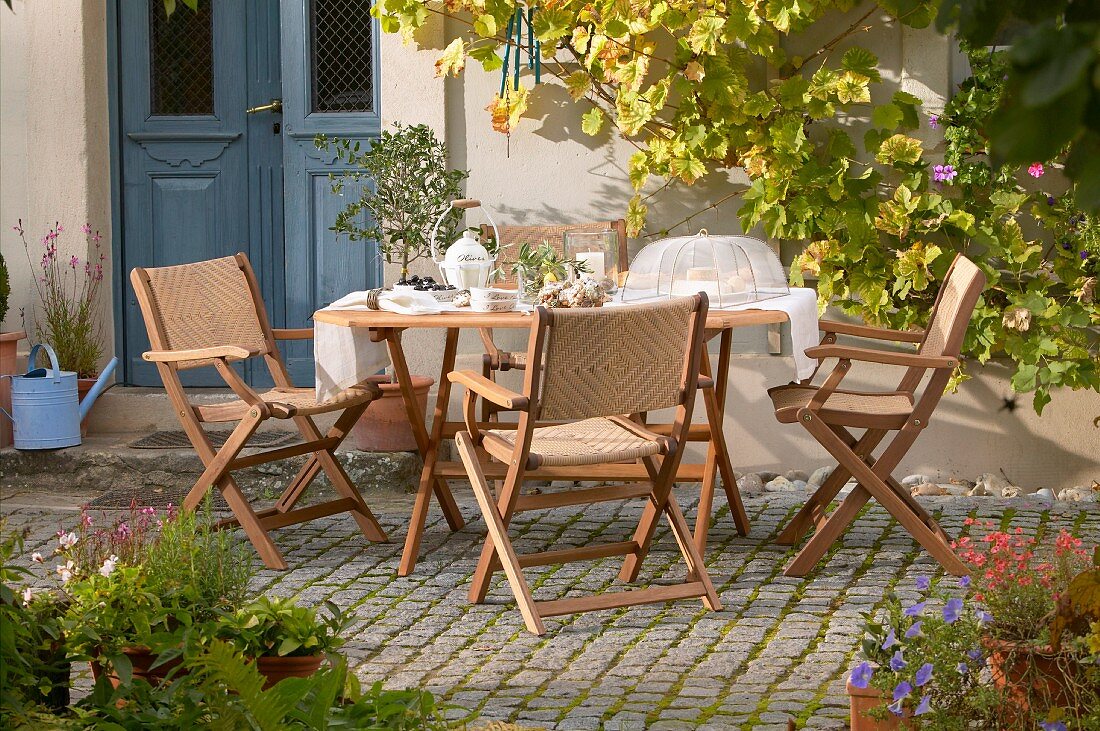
54 137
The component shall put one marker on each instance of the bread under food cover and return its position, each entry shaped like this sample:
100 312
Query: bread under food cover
732 270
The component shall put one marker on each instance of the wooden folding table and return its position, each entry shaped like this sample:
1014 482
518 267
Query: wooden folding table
387 327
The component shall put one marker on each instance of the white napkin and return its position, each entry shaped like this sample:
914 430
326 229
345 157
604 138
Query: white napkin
406 302
801 308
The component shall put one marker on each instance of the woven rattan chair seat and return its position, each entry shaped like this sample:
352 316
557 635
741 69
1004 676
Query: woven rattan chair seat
288 403
847 408
591 441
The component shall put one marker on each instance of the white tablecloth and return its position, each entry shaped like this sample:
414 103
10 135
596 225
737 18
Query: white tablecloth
346 356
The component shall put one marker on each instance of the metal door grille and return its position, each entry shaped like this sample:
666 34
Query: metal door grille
341 56
181 63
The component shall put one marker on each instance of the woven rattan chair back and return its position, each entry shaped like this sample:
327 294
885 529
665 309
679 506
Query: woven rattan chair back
954 306
616 360
513 236
203 305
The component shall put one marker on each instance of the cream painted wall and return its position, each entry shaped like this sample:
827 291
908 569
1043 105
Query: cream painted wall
54 138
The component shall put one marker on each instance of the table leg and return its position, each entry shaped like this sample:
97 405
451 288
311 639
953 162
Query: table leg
718 459
428 445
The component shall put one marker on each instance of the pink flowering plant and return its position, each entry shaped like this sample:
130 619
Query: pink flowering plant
1019 580
68 291
145 578
924 656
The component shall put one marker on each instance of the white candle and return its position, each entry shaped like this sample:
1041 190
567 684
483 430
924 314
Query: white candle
595 262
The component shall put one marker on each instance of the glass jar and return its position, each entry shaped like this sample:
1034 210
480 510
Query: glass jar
599 250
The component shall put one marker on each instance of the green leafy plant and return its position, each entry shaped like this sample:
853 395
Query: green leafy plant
879 216
1051 89
535 266
404 185
280 627
68 291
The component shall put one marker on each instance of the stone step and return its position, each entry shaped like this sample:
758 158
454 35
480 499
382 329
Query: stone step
104 461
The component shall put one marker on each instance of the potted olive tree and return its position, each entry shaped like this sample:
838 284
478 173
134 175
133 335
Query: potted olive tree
408 185
9 340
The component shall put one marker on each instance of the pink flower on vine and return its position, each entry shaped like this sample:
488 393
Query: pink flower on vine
944 173
1035 170
934 121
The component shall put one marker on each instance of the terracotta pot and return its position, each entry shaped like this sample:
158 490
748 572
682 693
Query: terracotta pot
384 426
1025 672
861 701
276 668
141 659
83 386
8 348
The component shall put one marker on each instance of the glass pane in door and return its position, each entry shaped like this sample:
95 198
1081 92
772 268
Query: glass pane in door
181 59
341 56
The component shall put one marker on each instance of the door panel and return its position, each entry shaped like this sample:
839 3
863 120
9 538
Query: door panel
329 61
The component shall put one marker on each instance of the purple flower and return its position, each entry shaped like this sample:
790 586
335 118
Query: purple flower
902 690
895 708
861 675
1050 200
962 668
924 674
976 655
1053 726
891 640
913 631
984 617
897 662
1084 255
923 583
933 121
924 706
952 610
944 173
915 610
964 582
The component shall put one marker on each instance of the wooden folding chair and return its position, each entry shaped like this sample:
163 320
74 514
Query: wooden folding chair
599 367
212 313
827 412
497 359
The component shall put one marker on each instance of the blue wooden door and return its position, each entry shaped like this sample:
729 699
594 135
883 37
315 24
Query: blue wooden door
202 177
330 58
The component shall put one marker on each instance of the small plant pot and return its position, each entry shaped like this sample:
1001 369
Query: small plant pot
275 668
8 350
142 659
1026 673
384 426
861 701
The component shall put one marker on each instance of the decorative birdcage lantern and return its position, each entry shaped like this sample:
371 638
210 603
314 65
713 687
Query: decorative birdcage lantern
732 270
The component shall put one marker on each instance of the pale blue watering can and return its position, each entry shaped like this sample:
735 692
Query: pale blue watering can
45 409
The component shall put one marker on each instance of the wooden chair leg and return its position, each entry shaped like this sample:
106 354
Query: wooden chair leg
655 506
872 483
217 465
250 523
363 516
498 535
697 569
825 494
506 506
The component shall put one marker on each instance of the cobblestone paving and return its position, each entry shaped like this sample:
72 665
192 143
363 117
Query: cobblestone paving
778 650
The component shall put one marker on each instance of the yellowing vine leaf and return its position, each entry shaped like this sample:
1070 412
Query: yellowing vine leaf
506 110
592 121
453 59
635 216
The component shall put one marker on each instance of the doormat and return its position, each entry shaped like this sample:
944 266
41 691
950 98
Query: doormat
175 439
152 497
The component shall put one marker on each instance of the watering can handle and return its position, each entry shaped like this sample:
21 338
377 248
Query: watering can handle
53 360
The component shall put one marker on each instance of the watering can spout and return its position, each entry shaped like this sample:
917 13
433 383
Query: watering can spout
99 387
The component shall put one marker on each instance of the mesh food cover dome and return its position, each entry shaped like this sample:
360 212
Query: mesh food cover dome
732 270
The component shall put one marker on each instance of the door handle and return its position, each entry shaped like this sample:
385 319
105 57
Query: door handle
275 105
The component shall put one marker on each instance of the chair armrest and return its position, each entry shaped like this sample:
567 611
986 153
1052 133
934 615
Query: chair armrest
874 333
489 390
297 333
870 355
232 352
